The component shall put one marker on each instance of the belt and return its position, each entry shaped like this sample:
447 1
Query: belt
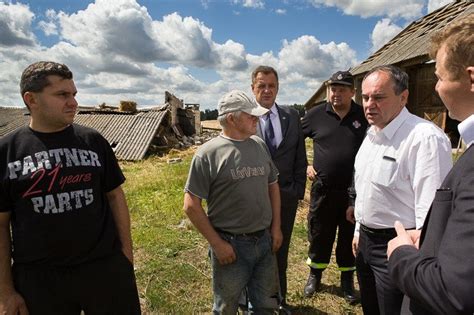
253 235
380 232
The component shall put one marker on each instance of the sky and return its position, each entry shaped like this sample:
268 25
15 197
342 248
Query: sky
196 49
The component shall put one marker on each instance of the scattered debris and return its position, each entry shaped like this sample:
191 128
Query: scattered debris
132 132
175 160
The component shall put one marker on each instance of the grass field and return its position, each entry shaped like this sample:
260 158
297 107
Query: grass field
172 267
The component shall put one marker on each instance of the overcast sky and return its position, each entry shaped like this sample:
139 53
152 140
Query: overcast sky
196 49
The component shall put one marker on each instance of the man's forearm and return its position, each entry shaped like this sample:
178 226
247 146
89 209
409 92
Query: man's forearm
6 281
118 205
274 192
198 217
301 162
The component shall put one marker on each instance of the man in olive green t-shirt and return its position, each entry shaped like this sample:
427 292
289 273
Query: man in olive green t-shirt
235 174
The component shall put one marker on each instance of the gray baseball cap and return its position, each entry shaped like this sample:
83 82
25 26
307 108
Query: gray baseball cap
238 101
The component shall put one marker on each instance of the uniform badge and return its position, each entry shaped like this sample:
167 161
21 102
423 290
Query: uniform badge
356 124
339 77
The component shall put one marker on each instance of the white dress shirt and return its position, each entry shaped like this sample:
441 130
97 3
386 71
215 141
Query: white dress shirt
275 118
466 129
397 172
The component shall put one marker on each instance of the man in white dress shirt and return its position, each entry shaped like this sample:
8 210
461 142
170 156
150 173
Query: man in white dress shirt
398 168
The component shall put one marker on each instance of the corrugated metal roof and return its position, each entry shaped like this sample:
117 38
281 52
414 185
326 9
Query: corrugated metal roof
130 134
11 118
413 41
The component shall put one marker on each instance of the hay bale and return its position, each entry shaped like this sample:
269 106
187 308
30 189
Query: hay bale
128 106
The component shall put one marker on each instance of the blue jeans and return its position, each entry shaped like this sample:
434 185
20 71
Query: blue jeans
255 268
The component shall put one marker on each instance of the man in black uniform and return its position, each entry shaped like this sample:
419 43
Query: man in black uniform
337 128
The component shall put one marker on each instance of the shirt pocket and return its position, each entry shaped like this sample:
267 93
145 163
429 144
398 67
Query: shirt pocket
386 173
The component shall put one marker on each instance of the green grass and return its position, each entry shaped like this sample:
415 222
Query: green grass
171 262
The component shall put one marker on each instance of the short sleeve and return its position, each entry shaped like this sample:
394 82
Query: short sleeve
199 177
273 176
113 174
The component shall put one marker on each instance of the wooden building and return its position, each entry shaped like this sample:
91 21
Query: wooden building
409 51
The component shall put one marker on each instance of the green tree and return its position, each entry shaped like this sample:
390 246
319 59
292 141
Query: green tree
208 114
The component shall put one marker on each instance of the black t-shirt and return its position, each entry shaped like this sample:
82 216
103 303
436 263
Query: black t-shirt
335 142
55 186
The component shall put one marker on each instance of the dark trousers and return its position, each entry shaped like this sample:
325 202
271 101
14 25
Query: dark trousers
289 204
326 214
379 295
103 286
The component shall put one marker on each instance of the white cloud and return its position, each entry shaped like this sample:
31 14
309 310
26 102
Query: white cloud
231 55
280 11
113 28
49 27
255 4
117 51
15 25
308 57
383 32
267 58
118 28
436 4
183 39
407 9
205 3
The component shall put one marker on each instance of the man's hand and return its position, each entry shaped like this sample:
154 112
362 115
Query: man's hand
404 237
128 252
277 238
12 303
310 172
224 252
355 245
350 215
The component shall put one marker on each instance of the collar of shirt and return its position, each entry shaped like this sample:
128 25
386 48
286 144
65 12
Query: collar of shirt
275 117
274 110
229 138
466 129
330 109
389 131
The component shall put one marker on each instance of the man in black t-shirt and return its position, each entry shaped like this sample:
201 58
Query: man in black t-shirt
60 192
337 128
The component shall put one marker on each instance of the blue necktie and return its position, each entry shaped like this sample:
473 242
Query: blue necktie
270 134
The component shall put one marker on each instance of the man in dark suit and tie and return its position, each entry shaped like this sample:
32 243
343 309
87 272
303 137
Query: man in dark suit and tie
281 130
434 267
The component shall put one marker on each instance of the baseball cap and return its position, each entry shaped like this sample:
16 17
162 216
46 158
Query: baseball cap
342 77
238 101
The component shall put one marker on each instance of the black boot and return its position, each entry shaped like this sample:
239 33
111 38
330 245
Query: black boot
314 282
347 286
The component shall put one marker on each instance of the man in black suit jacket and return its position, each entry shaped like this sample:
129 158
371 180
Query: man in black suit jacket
286 144
438 278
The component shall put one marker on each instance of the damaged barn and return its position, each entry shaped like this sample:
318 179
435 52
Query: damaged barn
133 133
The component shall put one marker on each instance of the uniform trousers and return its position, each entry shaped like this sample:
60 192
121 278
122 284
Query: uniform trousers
379 295
327 214
289 205
103 286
